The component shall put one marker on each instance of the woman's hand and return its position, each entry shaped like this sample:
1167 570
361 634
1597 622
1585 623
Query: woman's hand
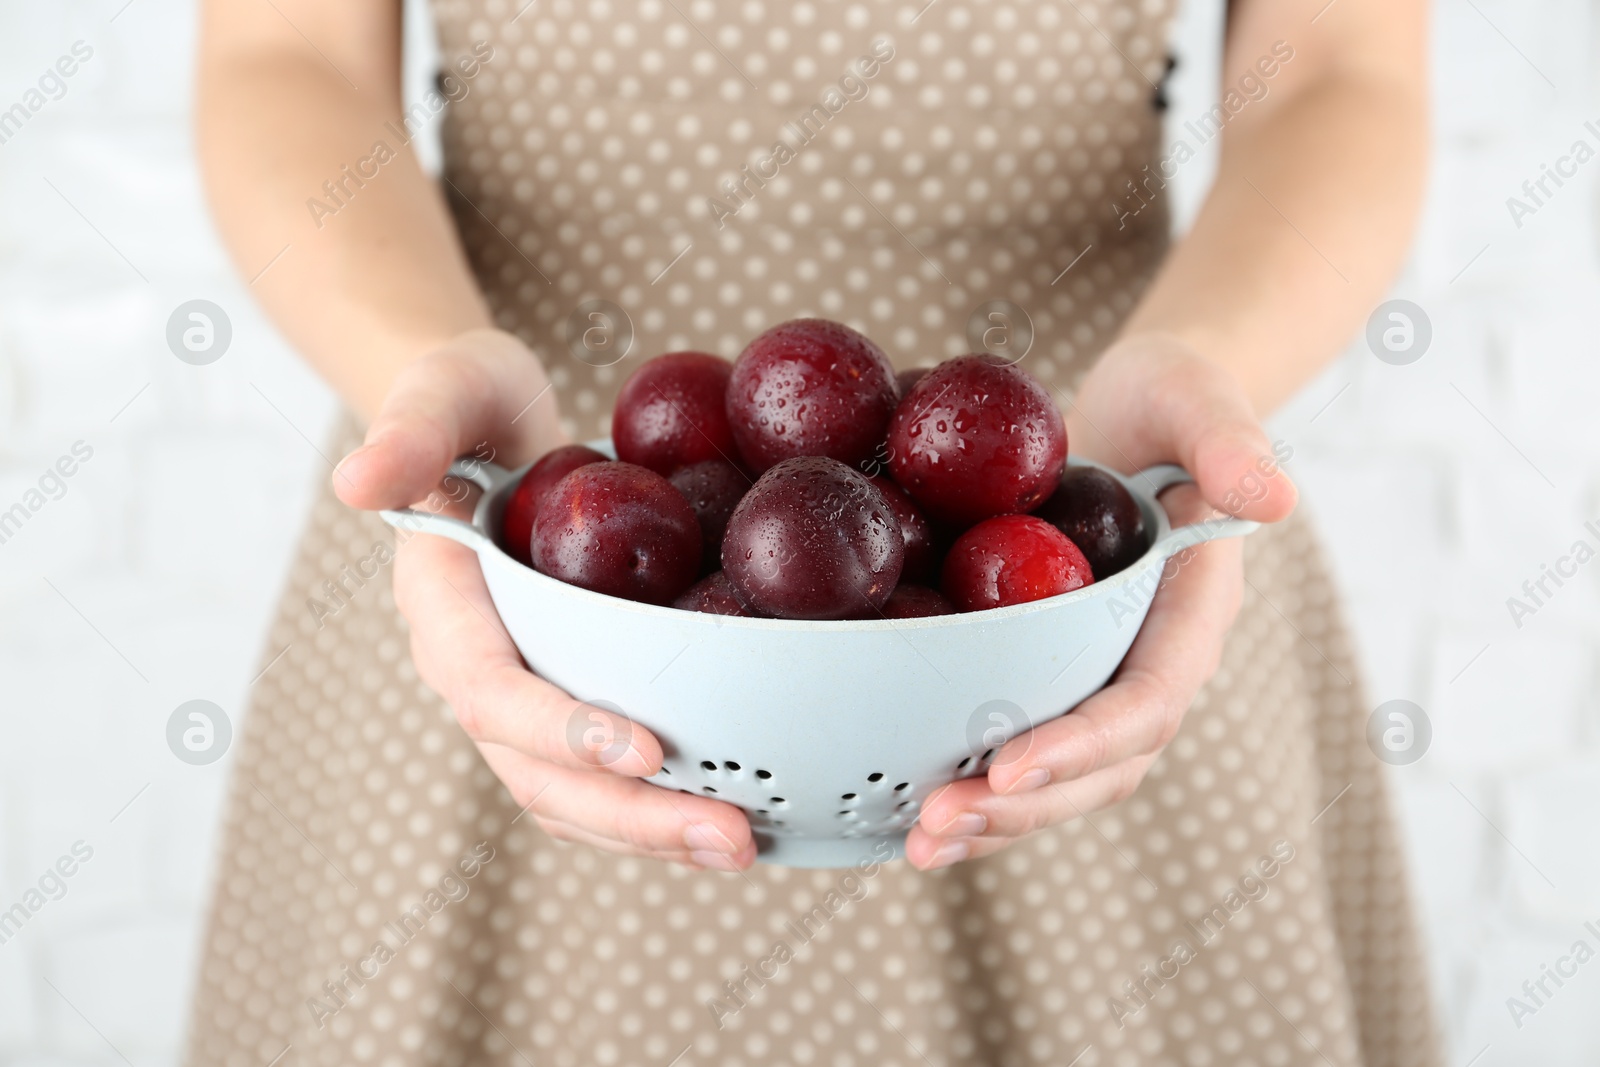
575 768
1151 399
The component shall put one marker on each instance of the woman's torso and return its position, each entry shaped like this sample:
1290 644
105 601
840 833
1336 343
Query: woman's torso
934 159
987 160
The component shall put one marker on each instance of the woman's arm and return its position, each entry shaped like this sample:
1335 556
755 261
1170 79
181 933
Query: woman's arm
1315 196
380 299
289 93
1310 213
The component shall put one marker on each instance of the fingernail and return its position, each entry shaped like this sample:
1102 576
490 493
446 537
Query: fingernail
631 763
1029 781
954 852
708 837
716 861
967 824
348 458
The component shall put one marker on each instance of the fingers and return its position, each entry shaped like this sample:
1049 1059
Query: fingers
483 394
1177 650
462 650
1217 437
928 853
968 820
1154 399
970 808
543 744
699 861
623 815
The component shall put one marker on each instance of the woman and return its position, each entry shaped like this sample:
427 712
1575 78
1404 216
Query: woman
1197 865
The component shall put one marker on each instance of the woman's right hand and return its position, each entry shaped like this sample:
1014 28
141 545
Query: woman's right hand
574 768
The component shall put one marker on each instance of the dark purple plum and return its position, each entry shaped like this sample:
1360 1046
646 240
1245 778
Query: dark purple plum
618 529
922 551
673 411
713 489
977 437
713 595
813 539
909 377
916 602
810 387
1100 516
516 523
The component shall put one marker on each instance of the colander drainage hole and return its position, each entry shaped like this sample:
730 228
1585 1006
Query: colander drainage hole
707 789
847 796
964 764
777 801
707 765
902 787
763 811
875 776
987 753
730 766
763 775
904 804
665 769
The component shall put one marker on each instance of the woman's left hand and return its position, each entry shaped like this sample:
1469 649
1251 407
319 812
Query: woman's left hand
1150 399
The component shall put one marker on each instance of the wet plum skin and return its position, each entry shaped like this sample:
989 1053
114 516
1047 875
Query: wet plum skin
713 489
813 540
975 438
713 595
1012 559
916 602
672 412
619 529
904 380
1100 516
922 549
966 442
810 387
516 522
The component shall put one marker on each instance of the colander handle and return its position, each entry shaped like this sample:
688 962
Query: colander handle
481 473
1157 480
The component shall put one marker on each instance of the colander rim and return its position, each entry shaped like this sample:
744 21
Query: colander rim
1104 589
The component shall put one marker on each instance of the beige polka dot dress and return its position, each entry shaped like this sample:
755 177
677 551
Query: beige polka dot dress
706 168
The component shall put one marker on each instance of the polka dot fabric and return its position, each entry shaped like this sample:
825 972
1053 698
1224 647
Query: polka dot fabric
980 162
621 151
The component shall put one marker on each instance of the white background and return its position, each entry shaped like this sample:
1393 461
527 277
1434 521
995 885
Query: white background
1440 486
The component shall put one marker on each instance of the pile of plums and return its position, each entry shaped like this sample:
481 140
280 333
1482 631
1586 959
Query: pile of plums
805 480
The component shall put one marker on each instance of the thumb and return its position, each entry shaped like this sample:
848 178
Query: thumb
1219 440
484 394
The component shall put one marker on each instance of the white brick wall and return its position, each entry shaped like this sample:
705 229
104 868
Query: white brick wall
172 540
1434 519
